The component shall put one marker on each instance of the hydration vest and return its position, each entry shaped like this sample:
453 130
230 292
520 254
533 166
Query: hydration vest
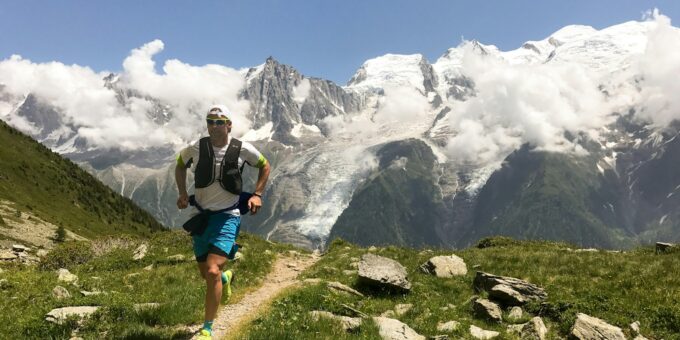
204 175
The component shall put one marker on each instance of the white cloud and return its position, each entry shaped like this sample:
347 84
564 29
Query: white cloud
301 91
79 94
659 68
517 104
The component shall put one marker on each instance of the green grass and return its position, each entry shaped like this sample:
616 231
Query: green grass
617 287
178 288
56 190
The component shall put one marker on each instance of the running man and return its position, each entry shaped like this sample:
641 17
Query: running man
217 187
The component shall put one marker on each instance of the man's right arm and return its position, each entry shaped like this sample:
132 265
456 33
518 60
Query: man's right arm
181 180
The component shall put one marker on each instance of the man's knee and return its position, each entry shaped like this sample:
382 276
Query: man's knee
213 273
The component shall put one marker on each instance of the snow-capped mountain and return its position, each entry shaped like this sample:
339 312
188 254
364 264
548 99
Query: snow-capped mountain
551 140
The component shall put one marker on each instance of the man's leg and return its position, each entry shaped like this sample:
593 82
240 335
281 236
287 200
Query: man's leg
213 279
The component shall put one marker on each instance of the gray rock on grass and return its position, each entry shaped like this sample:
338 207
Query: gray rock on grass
60 315
445 266
348 324
60 293
528 291
587 327
140 252
449 326
479 333
391 329
515 313
486 309
534 330
383 272
65 276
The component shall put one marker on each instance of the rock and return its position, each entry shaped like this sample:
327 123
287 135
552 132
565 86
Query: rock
312 281
479 333
515 329
42 253
149 267
635 327
139 307
293 253
347 323
372 248
529 291
445 266
66 276
586 250
662 247
349 272
19 248
354 265
450 326
534 330
402 309
60 293
86 293
391 329
59 315
383 272
6 255
589 328
291 265
343 288
486 309
389 314
177 258
239 256
140 252
515 313
506 295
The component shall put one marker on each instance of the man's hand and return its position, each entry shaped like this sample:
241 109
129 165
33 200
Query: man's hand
183 200
254 204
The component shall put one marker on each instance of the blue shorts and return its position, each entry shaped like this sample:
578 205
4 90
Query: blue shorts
221 233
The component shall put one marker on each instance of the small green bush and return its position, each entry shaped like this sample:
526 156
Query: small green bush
496 241
67 254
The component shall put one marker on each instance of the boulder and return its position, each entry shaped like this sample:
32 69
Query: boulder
486 309
337 286
479 333
148 268
445 266
402 309
450 326
635 327
347 323
140 252
506 295
177 258
140 307
59 315
86 293
515 313
6 255
383 272
662 247
485 281
66 276
391 329
60 293
590 328
515 329
19 248
534 330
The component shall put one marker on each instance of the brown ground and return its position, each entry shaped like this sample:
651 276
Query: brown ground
232 318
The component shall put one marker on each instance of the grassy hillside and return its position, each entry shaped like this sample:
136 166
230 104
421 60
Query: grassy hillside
54 189
617 287
106 265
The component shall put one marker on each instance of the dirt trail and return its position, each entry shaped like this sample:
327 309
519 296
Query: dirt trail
284 274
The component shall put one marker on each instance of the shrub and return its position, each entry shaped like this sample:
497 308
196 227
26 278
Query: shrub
60 234
67 254
496 241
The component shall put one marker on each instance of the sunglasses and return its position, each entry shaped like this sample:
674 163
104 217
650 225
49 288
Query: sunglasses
218 122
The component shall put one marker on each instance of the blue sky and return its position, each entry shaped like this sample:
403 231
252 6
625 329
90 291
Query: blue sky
327 39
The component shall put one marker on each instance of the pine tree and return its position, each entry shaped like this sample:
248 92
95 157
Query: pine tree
60 234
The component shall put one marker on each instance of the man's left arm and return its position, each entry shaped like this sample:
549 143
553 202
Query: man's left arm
255 202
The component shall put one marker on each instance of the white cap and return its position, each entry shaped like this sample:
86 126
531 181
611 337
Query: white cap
224 111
